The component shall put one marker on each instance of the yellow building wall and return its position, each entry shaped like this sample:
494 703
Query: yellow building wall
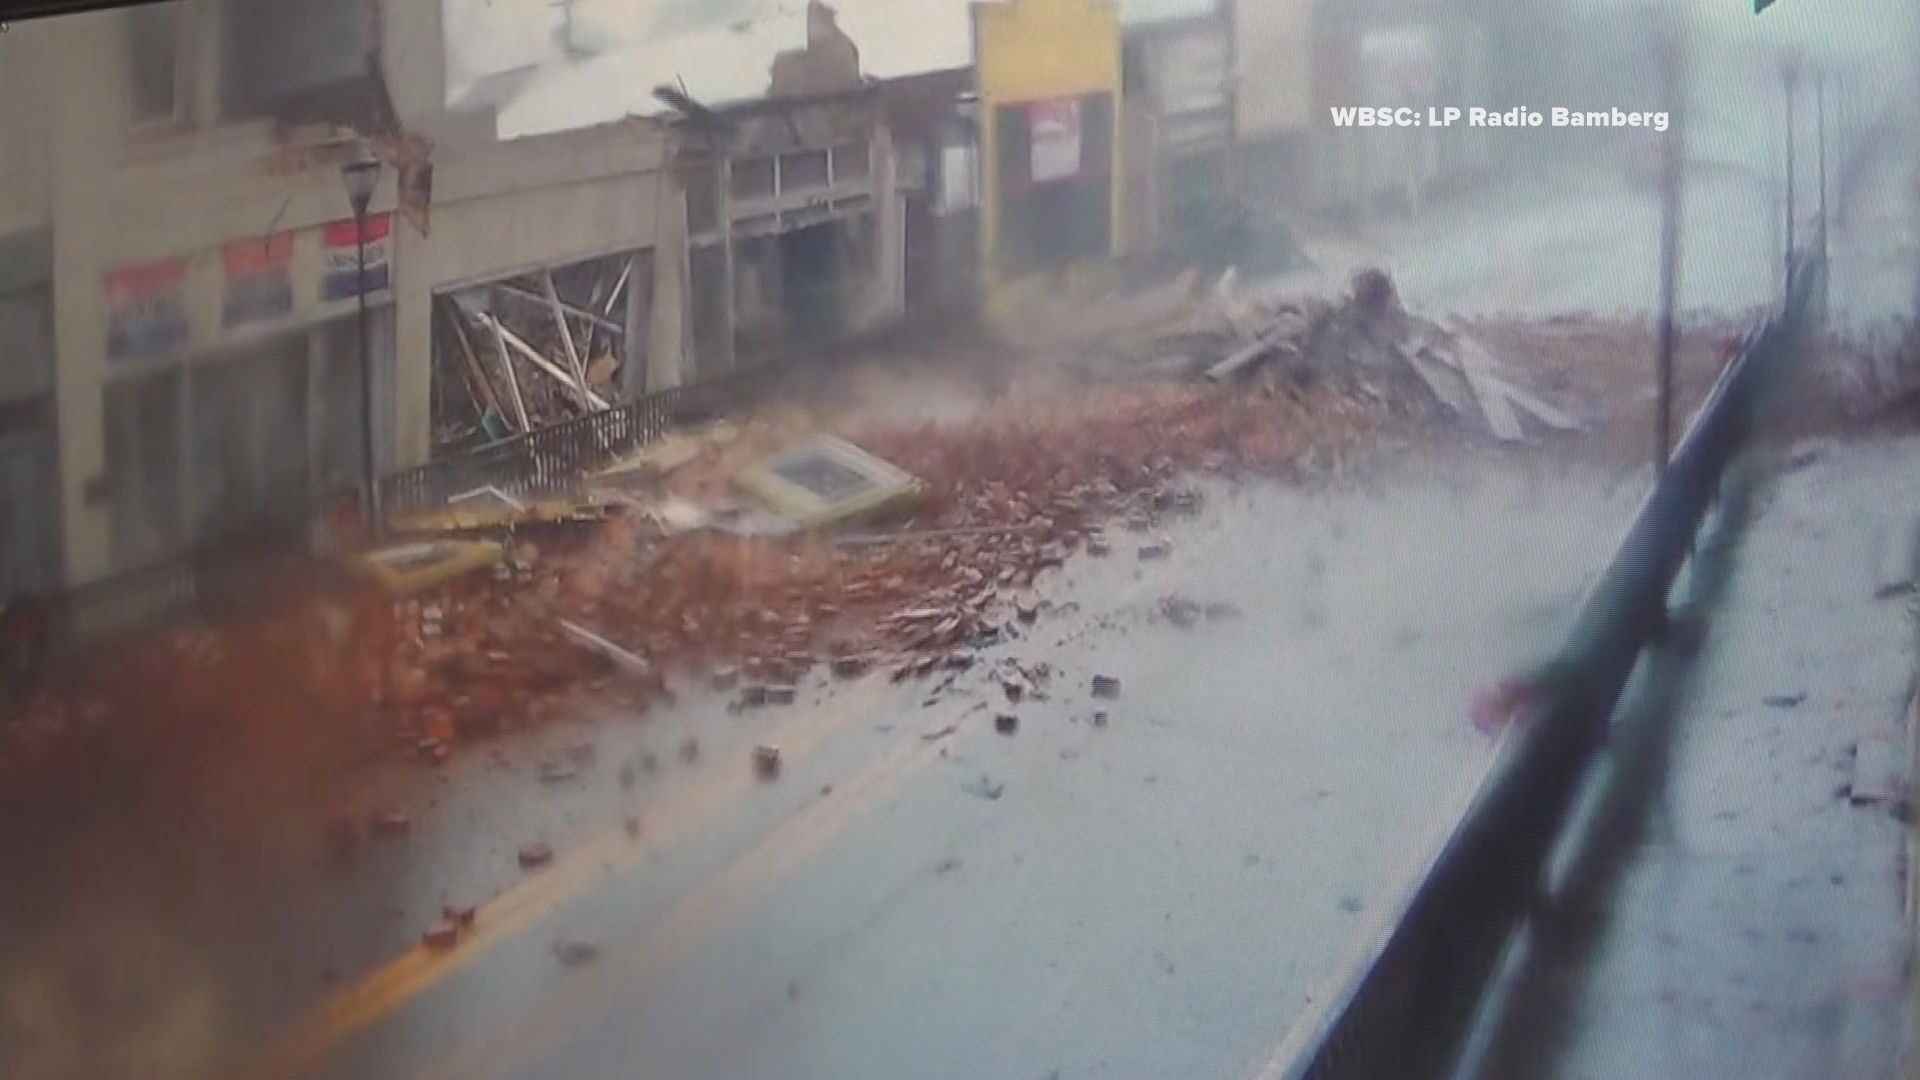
1033 50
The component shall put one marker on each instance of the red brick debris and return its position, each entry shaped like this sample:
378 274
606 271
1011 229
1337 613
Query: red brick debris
486 654
324 670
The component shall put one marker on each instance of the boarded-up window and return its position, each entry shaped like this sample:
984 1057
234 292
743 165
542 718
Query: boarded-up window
297 60
153 62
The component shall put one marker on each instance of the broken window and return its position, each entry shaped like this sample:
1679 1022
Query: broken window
803 170
154 66
850 162
297 60
753 178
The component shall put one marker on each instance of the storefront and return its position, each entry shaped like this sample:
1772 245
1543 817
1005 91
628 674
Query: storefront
232 400
29 521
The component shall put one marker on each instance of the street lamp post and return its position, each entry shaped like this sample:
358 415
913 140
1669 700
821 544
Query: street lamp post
360 176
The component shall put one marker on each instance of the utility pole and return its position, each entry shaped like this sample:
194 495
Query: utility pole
1790 79
1820 125
1672 184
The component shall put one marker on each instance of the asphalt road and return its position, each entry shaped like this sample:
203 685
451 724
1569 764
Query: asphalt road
1157 895
917 893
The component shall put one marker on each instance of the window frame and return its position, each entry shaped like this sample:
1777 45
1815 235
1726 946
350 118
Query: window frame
181 118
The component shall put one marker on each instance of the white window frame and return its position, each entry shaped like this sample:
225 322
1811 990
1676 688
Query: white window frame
185 91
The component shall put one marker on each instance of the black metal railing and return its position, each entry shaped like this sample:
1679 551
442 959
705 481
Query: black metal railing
1405 1010
553 459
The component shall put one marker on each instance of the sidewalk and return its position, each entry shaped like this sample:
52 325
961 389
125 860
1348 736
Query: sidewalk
1762 928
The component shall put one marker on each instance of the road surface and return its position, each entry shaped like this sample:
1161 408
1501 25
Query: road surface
1152 896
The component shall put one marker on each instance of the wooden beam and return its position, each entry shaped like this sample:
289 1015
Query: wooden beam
506 361
566 338
529 297
532 356
475 372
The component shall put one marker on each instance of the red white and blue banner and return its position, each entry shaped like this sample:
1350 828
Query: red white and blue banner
340 278
147 309
259 280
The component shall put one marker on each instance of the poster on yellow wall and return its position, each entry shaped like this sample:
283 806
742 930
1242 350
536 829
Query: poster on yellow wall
1054 130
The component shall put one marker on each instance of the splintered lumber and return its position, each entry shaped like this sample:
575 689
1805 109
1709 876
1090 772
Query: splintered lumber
619 657
474 371
1490 391
532 356
1246 359
1541 411
566 339
506 363
530 297
1441 381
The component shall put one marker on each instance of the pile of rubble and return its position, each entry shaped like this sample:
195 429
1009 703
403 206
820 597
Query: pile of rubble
530 352
1368 342
664 577
616 604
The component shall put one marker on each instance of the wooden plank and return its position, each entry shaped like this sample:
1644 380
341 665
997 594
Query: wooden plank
519 293
1541 411
626 661
506 362
1490 391
532 356
1439 379
472 362
566 338
1245 360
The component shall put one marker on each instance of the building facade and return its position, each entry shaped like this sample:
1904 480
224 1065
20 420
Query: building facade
179 286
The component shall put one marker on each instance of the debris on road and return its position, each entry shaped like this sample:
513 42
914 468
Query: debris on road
766 761
987 507
392 823
575 953
827 481
1006 723
535 854
1184 613
620 658
407 569
985 787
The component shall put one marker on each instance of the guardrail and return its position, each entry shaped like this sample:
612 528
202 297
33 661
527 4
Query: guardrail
1405 1010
